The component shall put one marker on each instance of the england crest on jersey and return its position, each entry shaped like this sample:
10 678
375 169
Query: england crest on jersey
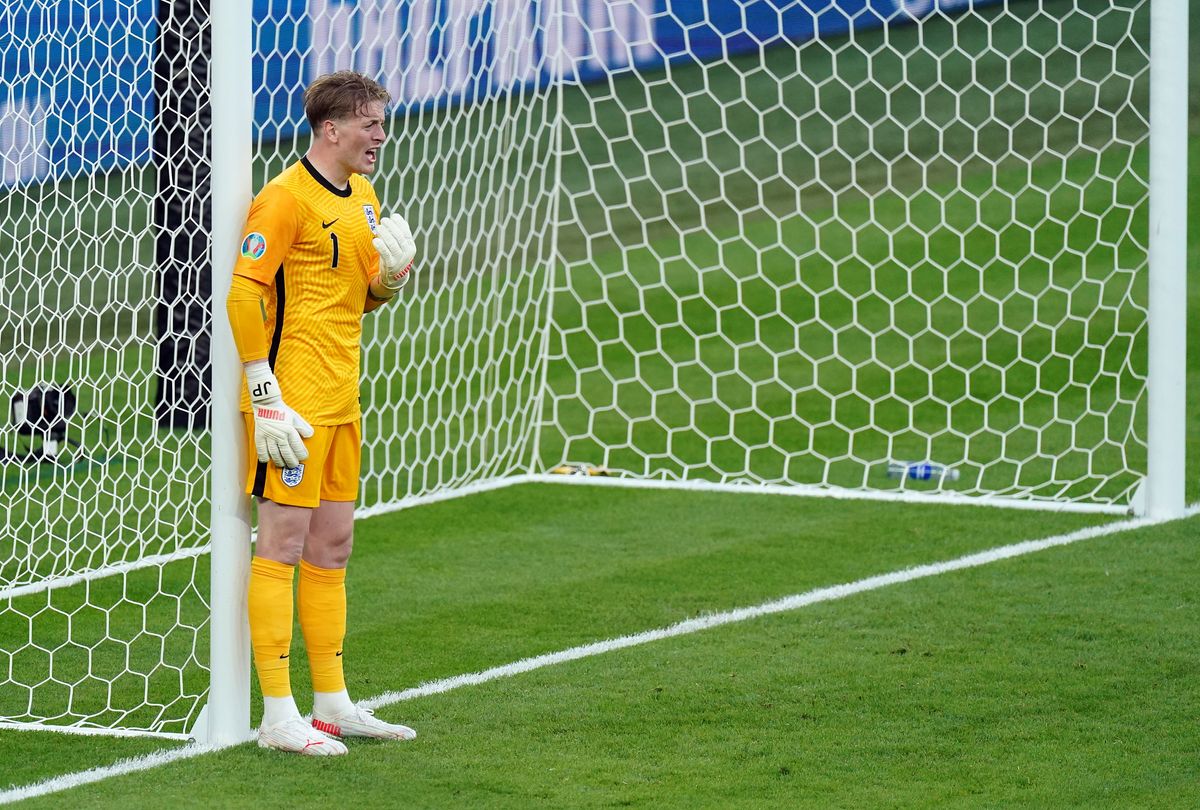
372 222
293 476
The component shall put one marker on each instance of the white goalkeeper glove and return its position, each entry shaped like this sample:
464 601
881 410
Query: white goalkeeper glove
277 428
394 241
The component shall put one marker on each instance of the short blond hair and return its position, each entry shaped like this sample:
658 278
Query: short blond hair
338 96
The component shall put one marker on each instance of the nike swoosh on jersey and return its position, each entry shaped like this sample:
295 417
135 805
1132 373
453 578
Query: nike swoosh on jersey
325 224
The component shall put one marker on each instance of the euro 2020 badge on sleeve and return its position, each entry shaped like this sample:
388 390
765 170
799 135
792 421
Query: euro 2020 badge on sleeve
254 245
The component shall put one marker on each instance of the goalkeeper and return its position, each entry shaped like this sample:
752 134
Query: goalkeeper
315 257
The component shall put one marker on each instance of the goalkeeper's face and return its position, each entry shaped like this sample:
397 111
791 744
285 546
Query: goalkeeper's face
359 138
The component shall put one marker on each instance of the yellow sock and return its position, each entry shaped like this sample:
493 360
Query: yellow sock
323 621
270 606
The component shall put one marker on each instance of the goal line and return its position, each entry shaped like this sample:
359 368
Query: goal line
617 481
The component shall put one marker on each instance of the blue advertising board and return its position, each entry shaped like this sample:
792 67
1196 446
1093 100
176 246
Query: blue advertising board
77 93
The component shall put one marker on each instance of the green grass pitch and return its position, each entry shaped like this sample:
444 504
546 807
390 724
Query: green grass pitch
1061 679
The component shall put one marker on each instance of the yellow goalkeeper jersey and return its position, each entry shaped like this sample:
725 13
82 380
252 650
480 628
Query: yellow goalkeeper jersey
311 242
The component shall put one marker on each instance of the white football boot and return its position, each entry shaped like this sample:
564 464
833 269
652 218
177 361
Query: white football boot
298 737
360 722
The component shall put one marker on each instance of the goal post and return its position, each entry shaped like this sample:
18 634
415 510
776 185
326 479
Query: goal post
918 250
227 715
1166 471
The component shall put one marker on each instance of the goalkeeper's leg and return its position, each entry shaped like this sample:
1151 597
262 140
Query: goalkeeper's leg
322 596
282 529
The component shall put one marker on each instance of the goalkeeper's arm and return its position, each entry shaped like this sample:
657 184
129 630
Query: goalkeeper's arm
277 428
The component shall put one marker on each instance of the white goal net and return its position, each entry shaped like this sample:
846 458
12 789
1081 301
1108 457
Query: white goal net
886 246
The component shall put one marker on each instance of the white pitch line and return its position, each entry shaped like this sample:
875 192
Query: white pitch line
827 594
122 767
767 608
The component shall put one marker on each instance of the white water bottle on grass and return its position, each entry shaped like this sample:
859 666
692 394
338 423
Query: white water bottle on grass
921 471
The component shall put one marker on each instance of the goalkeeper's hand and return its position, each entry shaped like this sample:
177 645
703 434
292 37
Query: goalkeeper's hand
277 428
394 241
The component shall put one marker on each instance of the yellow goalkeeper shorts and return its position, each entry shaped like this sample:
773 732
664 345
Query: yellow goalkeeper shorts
330 473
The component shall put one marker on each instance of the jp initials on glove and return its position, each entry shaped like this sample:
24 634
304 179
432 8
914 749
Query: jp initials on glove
277 428
394 241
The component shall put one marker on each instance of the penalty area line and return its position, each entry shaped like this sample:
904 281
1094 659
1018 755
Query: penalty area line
705 622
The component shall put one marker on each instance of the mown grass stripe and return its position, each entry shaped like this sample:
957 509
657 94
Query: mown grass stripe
705 622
